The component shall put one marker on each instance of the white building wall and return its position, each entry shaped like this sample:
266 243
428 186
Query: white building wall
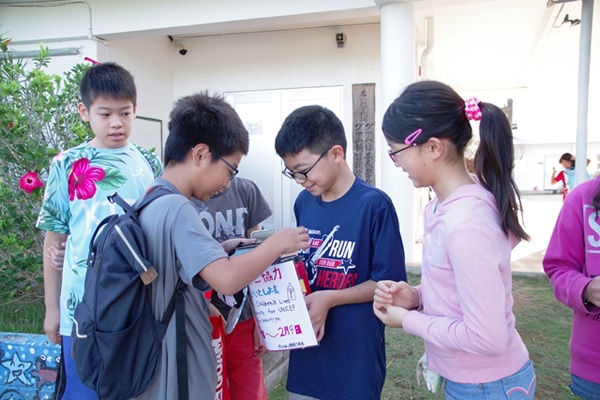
151 64
281 60
134 33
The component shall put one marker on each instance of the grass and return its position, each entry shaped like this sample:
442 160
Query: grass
543 323
22 316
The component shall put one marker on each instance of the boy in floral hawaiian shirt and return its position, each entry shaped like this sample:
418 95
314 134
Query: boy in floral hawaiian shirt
75 198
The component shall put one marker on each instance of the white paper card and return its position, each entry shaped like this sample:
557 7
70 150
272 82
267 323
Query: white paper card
280 310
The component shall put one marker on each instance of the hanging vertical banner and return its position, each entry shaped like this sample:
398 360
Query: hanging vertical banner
280 310
363 131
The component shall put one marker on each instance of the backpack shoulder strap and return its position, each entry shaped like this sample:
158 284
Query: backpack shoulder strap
152 194
182 364
178 301
115 198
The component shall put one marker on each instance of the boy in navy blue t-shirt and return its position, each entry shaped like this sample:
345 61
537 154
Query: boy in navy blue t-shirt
354 242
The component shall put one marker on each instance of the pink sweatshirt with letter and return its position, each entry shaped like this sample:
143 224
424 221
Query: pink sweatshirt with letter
467 322
571 261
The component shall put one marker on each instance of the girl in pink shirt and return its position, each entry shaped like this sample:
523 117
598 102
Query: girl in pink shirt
463 307
572 262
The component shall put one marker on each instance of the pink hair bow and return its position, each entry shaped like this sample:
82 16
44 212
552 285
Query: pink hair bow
472 110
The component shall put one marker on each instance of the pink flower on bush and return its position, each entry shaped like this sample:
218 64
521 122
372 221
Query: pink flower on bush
30 181
83 178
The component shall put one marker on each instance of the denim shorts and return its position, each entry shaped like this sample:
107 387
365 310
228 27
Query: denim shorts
519 386
583 388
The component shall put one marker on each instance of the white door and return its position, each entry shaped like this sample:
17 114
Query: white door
263 113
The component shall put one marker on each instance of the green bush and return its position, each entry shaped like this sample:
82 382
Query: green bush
38 119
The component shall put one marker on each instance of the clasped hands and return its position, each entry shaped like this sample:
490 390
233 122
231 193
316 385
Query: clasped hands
392 301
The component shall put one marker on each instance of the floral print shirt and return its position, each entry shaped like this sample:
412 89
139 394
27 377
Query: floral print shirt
75 202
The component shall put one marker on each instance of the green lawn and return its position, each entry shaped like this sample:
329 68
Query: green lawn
543 323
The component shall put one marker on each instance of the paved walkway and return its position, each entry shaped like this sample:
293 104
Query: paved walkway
540 213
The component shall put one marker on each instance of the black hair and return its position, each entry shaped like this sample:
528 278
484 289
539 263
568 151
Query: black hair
567 157
439 111
314 128
108 80
596 198
200 118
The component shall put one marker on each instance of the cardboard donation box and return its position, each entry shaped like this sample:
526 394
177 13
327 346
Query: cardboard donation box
279 308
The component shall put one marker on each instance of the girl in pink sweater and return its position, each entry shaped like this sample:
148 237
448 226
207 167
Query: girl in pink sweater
572 262
463 307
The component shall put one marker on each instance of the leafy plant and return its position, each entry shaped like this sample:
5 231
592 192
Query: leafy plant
38 119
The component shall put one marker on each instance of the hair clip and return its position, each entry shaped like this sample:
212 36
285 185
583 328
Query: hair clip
92 61
413 136
472 110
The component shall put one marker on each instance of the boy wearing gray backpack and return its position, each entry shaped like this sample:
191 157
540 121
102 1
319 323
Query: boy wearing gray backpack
205 145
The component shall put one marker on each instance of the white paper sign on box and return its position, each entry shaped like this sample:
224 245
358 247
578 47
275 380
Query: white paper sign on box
280 310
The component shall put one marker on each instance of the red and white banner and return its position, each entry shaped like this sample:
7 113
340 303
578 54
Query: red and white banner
218 343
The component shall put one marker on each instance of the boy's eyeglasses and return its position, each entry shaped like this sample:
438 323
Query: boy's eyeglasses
302 175
234 172
410 141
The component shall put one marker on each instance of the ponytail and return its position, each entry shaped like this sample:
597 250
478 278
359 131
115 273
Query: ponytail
494 165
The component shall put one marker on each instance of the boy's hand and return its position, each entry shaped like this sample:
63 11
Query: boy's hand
51 324
318 307
230 244
292 239
55 256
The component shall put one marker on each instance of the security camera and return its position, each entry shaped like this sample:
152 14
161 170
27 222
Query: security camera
182 50
180 47
340 38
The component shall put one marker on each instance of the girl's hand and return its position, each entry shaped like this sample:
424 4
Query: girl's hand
399 294
392 316
592 291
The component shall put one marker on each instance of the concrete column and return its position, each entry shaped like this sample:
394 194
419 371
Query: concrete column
585 45
398 69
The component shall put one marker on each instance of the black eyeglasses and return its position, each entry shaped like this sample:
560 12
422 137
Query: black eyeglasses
302 175
234 169
392 154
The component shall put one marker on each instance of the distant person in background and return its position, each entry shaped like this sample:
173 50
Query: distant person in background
572 262
235 213
567 175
